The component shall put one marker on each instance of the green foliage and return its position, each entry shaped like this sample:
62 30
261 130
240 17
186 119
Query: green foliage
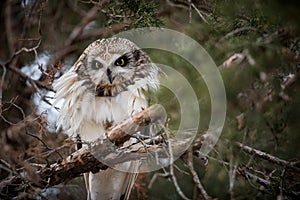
268 32
143 13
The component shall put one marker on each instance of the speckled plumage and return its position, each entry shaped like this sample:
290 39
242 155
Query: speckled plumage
97 92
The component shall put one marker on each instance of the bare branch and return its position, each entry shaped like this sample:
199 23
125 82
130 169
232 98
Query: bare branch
238 30
245 173
268 157
232 178
196 178
9 27
1 86
103 32
25 77
199 13
173 177
90 16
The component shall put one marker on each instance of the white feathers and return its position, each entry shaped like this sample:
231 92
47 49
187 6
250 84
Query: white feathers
86 114
64 83
81 106
77 101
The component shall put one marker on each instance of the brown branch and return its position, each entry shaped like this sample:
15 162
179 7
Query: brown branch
27 78
121 133
9 27
89 17
78 34
84 160
69 46
196 178
238 30
103 32
1 86
10 65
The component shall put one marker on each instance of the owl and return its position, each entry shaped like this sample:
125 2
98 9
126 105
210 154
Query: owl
104 87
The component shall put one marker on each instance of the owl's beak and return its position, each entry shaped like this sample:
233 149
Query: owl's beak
105 89
109 75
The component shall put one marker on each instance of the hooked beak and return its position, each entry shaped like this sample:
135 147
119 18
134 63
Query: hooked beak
105 89
109 75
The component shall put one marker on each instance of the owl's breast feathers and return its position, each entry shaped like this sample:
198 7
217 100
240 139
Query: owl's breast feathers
84 112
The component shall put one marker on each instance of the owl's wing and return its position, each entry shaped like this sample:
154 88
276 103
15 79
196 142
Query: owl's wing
77 99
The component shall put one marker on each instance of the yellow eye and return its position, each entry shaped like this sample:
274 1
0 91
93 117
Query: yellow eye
122 61
96 64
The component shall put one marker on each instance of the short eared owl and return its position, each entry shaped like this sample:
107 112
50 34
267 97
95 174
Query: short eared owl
104 87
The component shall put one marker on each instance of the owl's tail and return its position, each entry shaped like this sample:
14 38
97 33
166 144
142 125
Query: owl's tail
111 183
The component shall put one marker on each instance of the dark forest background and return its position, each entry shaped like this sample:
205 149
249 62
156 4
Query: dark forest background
255 43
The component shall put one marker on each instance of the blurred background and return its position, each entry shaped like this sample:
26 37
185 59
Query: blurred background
255 44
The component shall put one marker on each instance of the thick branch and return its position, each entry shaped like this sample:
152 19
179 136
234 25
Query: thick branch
83 161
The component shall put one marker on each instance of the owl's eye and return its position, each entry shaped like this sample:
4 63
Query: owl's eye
122 61
96 64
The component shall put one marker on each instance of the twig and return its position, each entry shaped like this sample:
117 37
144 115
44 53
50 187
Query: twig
177 4
25 77
190 11
199 13
242 171
280 197
173 177
196 178
19 72
9 26
73 6
154 177
11 102
25 49
189 5
103 32
90 16
267 156
68 45
232 177
238 30
1 86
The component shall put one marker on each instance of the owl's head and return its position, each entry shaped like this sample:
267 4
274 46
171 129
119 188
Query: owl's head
115 64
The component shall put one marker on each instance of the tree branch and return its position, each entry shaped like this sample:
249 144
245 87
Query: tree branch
268 157
84 160
196 178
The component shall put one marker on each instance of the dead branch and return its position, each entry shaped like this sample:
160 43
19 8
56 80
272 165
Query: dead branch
90 16
268 157
196 178
1 86
103 32
238 30
68 46
78 35
27 78
9 27
243 171
172 174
